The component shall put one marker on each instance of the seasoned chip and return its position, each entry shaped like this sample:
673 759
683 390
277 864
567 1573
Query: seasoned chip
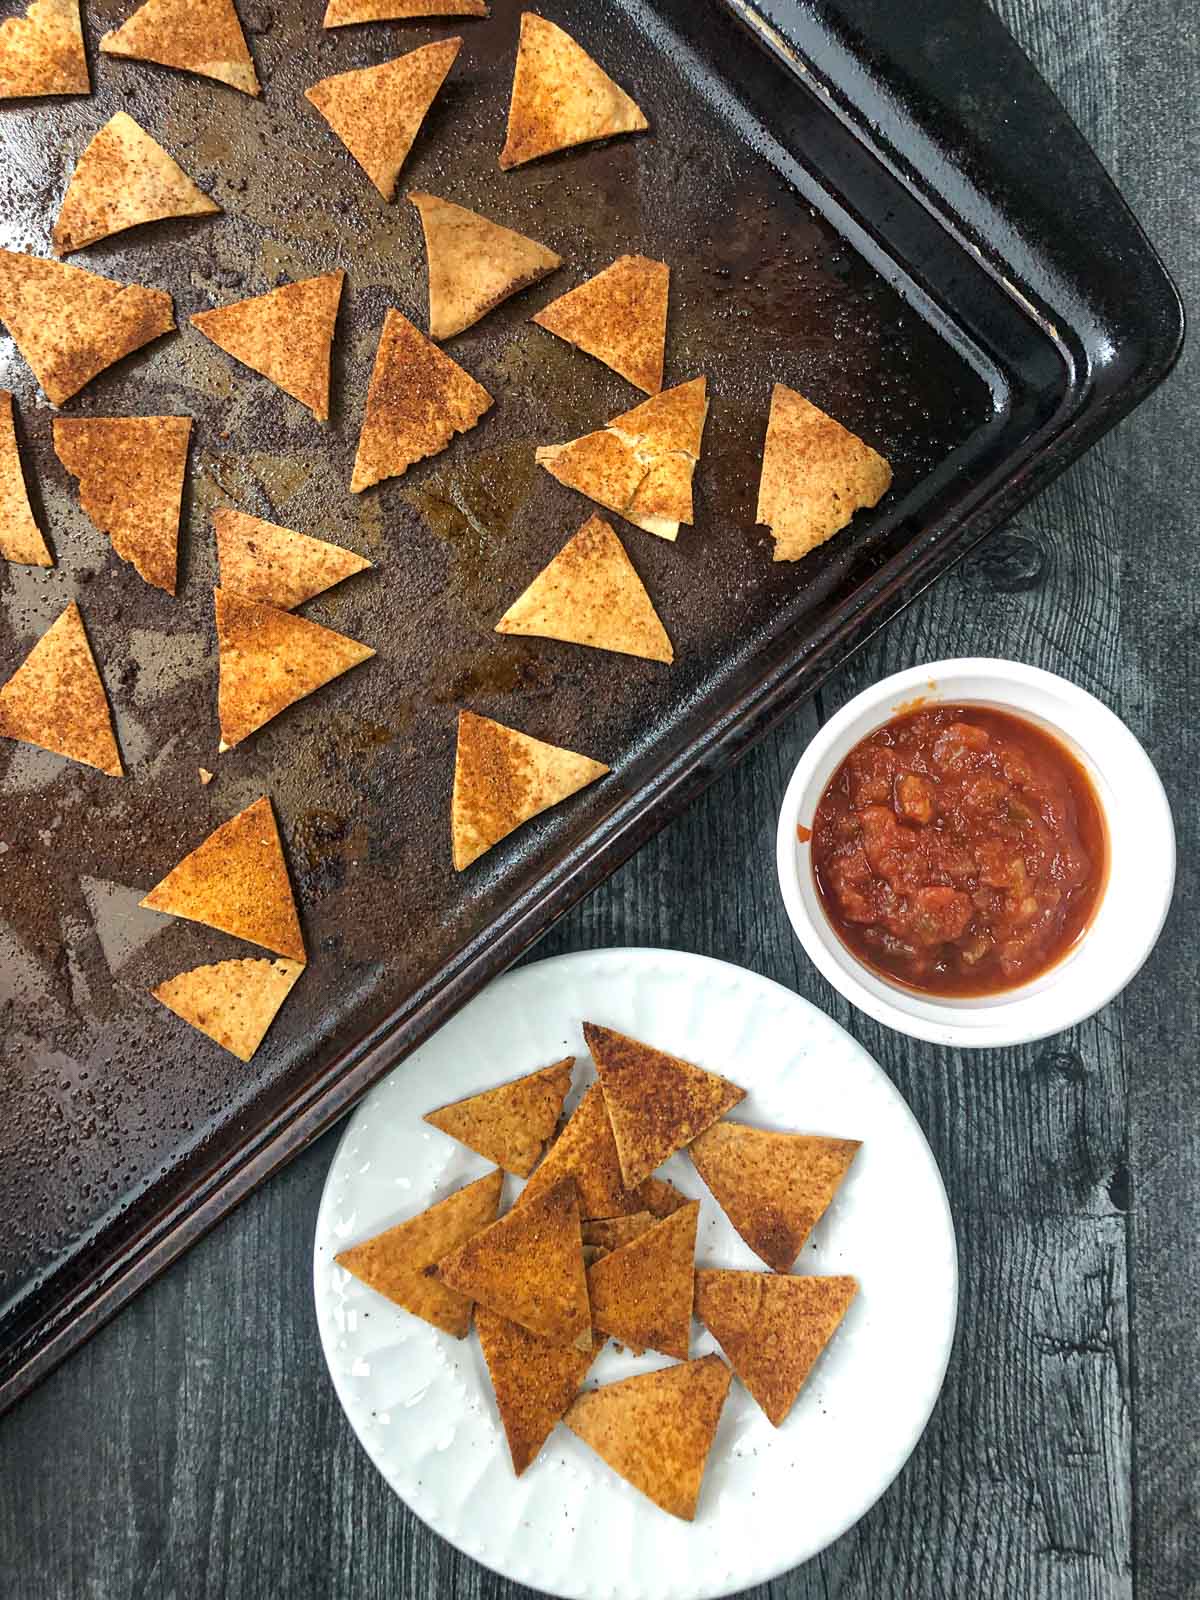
201 36
660 1198
474 264
233 1002
610 1233
287 335
262 561
586 1151
561 97
399 1262
620 317
42 52
339 12
510 1124
20 537
641 1293
534 1381
55 699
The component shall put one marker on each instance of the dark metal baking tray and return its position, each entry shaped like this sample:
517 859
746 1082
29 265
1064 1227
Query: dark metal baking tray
883 206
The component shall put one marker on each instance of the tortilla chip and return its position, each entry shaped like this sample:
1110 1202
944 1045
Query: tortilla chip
269 660
42 52
502 778
20 537
815 475
534 1382
377 112
263 561
528 1267
772 1328
237 882
200 36
339 12
655 1430
641 1294
773 1187
124 178
656 1103
131 472
233 1002
70 324
287 335
399 1262
591 594
55 699
417 401
620 317
660 1198
561 97
586 1151
510 1124
474 264
610 1233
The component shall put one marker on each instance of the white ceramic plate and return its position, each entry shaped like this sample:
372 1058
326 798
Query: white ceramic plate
421 1402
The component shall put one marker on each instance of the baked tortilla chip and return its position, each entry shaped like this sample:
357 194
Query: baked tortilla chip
418 399
399 1263
340 12
233 1002
269 660
772 1328
610 1233
815 475
474 264
55 699
237 882
660 1198
528 1267
287 335
534 1381
586 1151
20 537
620 317
377 112
591 594
641 1293
124 178
502 778
655 1430
131 472
773 1187
70 324
561 97
510 1124
263 561
656 1103
201 36
42 52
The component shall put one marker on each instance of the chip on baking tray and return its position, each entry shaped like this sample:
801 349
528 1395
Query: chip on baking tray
200 36
41 51
561 97
55 699
20 537
233 1002
286 334
474 263
620 317
277 565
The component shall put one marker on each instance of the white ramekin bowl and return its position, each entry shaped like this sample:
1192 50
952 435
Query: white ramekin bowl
1141 873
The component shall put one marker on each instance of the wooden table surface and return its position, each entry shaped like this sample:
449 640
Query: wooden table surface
194 1448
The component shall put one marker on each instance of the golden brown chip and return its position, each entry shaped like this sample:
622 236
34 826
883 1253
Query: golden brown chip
287 335
534 1381
641 1294
620 317
233 1002
70 324
55 699
660 1198
201 36
586 1151
42 52
655 1430
263 561
340 12
399 1263
772 1328
20 537
474 264
237 882
377 112
131 472
610 1233
561 97
509 1124
815 475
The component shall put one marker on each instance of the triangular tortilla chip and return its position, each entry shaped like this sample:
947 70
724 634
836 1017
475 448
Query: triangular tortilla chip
131 472
55 699
534 1381
20 537
399 1262
201 36
502 778
528 1267
773 1187
586 1151
815 475
656 1103
70 324
263 561
510 1124
287 335
641 1293
237 882
561 97
377 112
656 1429
591 594
660 1198
233 1002
42 52
641 465
610 1233
620 317
772 1328
474 264
340 12
269 660
124 178
418 399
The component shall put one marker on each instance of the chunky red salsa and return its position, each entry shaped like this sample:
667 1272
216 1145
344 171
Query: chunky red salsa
959 850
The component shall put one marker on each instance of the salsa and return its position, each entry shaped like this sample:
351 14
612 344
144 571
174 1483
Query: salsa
960 850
